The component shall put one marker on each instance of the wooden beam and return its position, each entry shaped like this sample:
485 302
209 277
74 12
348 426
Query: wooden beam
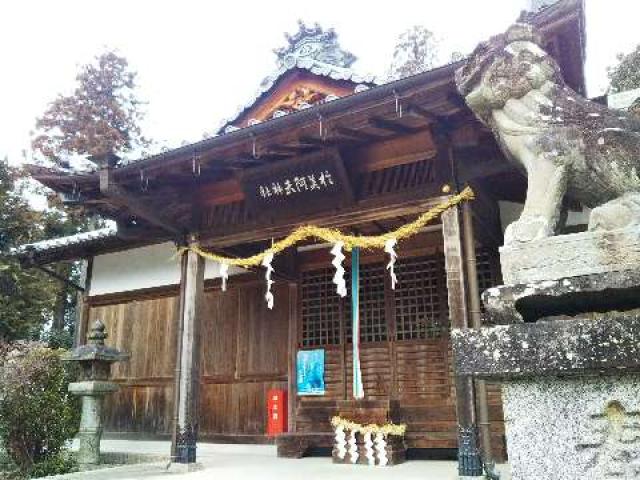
417 111
277 153
393 151
289 149
188 357
469 463
453 256
486 217
456 100
311 140
139 232
388 206
381 228
221 193
60 278
357 134
120 197
82 306
291 357
475 321
391 126
243 161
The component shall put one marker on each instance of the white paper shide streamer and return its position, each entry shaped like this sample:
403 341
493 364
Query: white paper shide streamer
368 445
224 275
267 263
353 448
341 442
389 248
381 449
338 278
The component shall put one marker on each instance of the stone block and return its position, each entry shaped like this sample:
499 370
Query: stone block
581 346
183 468
576 254
565 297
569 429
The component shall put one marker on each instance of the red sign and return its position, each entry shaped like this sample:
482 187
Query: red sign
276 412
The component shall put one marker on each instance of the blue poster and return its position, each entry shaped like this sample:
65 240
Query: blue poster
310 372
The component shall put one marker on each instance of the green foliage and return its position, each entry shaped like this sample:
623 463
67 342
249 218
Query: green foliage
415 52
101 116
58 464
58 339
26 296
37 414
626 74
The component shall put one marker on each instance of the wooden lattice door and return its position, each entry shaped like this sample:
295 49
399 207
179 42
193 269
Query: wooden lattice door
421 318
393 327
404 341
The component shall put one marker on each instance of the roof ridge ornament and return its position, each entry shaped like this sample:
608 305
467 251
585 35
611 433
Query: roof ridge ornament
316 44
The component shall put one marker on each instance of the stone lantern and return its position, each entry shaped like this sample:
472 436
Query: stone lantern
95 360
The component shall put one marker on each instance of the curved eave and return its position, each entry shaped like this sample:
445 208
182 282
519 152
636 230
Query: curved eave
318 69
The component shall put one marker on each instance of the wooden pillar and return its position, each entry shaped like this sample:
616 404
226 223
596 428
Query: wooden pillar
469 462
187 380
475 321
82 305
293 351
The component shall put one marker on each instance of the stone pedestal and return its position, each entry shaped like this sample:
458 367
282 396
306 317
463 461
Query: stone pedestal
92 394
588 427
567 352
572 255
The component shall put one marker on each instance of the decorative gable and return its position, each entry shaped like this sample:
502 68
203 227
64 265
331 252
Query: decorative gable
312 69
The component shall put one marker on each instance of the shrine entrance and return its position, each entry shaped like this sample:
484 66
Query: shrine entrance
405 354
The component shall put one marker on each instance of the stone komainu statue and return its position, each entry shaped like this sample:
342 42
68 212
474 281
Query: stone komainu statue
565 143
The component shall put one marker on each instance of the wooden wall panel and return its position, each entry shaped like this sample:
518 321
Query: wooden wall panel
145 410
234 409
375 366
244 353
422 371
219 334
146 330
262 333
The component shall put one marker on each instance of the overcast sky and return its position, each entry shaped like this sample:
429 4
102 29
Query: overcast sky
199 60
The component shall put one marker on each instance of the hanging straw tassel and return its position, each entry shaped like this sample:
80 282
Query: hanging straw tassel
389 247
338 278
266 263
224 275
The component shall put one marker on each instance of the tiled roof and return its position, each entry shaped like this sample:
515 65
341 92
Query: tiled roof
623 100
63 242
313 66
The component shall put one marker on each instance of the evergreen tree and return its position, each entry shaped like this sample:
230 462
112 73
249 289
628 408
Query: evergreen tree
101 116
27 297
626 74
416 51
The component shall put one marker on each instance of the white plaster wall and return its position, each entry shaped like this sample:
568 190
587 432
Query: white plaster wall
510 212
145 267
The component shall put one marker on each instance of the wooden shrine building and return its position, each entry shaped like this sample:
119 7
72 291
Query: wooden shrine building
322 145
